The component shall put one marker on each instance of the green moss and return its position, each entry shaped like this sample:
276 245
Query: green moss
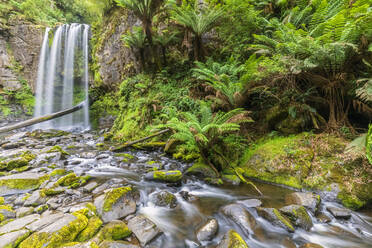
22 169
92 228
68 180
65 235
350 201
283 219
2 200
201 169
168 176
7 207
19 240
15 163
94 245
112 196
28 156
58 149
23 183
58 172
269 177
234 179
125 155
42 208
115 230
51 191
235 240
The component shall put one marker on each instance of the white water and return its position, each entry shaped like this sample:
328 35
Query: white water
63 78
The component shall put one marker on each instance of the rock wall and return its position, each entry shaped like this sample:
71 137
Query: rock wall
19 54
114 61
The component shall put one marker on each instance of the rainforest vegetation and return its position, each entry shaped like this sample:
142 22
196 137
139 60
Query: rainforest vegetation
243 85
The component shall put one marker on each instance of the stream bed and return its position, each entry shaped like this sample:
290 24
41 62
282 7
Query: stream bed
174 213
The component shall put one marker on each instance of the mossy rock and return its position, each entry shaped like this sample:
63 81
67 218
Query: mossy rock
22 181
298 215
112 197
115 230
94 224
201 169
67 180
59 149
57 234
41 134
275 218
231 179
58 172
174 176
13 164
232 239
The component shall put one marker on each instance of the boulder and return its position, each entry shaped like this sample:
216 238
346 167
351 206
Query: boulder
240 216
114 230
308 200
174 176
311 245
92 228
208 230
341 213
116 204
232 239
144 229
275 218
45 221
201 170
164 199
12 239
298 215
35 199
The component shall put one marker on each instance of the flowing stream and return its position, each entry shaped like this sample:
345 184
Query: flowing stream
63 79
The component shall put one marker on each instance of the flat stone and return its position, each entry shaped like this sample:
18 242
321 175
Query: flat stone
251 203
240 216
12 145
35 199
27 180
19 223
14 238
232 240
44 221
298 215
90 187
341 213
275 218
23 211
123 206
308 200
117 244
208 231
144 229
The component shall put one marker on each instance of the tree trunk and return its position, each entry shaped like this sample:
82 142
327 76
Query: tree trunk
37 120
198 49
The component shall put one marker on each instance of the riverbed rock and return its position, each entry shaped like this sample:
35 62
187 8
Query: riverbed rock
44 221
116 204
298 215
22 181
341 213
117 244
144 229
92 228
275 218
208 230
232 239
114 230
201 170
35 199
240 216
7 212
251 203
58 233
23 211
309 200
12 239
174 176
165 199
18 223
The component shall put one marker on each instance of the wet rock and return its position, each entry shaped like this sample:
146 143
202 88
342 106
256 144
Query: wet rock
22 181
88 155
323 218
53 203
164 199
201 170
208 230
92 228
14 238
102 156
275 218
231 179
308 200
35 199
12 145
144 229
6 212
341 213
114 230
59 232
188 197
117 244
288 243
23 211
18 223
232 239
311 245
240 216
90 187
45 221
298 215
116 204
164 176
251 203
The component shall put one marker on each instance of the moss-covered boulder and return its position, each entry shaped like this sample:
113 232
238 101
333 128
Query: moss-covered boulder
92 228
21 181
201 170
307 199
114 230
116 203
275 218
298 215
232 239
174 176
164 199
72 181
11 240
13 164
58 233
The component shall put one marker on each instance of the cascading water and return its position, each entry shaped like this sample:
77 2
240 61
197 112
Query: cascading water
63 78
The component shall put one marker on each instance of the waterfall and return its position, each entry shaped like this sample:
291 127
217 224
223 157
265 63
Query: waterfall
63 78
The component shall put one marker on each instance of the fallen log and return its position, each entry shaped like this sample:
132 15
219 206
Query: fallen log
44 118
126 145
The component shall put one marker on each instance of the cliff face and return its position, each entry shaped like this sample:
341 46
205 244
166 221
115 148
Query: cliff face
113 60
19 53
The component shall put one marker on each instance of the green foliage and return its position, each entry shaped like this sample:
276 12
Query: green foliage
369 144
